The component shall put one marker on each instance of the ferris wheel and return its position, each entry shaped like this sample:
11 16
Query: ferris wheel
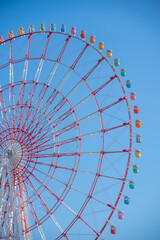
65 136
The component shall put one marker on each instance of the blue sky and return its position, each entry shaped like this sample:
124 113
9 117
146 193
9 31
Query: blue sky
131 30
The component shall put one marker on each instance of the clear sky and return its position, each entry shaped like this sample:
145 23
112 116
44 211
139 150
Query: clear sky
132 30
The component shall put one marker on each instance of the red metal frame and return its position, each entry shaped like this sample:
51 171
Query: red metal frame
27 132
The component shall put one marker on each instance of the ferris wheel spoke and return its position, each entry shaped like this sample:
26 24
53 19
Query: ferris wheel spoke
49 101
31 206
64 129
43 148
58 225
51 177
24 76
23 212
63 101
58 144
59 200
1 123
47 83
3 110
112 104
63 49
116 127
64 79
50 165
11 87
77 190
79 171
77 154
80 103
98 111
34 84
70 169
21 100
71 110
43 140
70 186
53 112
75 107
72 125
47 128
53 70
46 208
41 232
40 131
75 88
37 76
95 199
51 75
23 83
34 215
32 93
42 143
69 208
100 175
41 96
41 183
57 155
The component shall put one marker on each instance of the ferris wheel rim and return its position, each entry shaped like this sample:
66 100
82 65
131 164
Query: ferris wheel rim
129 113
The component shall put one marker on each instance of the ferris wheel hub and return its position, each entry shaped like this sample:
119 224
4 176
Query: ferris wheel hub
12 154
